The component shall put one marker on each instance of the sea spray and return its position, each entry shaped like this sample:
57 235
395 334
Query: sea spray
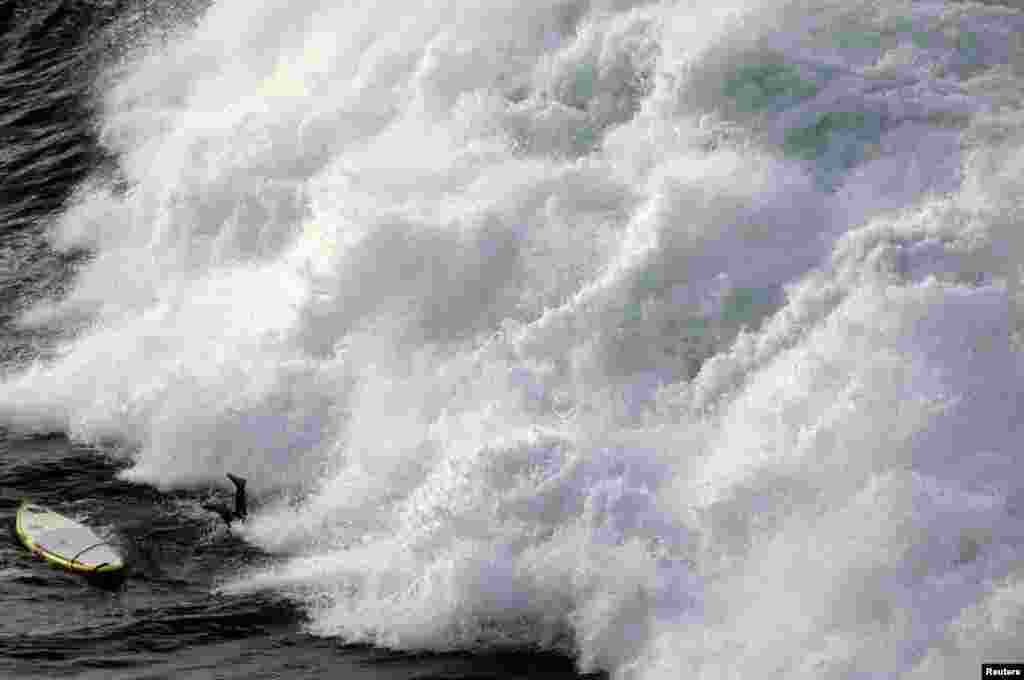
682 339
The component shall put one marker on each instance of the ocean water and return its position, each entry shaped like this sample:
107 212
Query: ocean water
653 340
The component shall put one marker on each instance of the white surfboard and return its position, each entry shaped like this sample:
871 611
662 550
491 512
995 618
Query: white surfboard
69 544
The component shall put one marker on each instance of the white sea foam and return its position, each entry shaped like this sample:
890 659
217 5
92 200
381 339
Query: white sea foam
680 336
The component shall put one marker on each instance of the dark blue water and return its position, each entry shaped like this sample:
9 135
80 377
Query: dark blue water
165 621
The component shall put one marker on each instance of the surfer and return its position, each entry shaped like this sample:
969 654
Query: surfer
226 513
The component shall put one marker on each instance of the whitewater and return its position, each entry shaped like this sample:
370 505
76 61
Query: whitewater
681 337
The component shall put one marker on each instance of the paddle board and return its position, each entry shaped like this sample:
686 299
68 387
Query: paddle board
66 543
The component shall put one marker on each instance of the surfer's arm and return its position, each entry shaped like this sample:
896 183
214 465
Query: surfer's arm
240 500
222 510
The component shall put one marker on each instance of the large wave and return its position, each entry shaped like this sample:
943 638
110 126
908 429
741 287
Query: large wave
680 336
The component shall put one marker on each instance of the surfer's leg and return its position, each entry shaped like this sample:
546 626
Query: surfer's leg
240 509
